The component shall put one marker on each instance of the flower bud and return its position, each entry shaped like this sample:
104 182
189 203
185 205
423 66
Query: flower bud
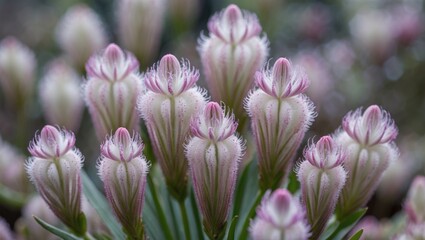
60 95
140 24
213 154
113 85
374 229
415 202
123 170
368 140
54 169
413 231
279 216
12 169
5 232
171 100
280 116
17 72
231 55
80 33
322 178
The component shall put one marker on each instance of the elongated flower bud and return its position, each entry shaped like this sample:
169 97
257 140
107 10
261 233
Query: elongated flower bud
54 168
12 169
140 24
80 33
368 140
231 55
322 178
280 116
415 202
279 216
61 97
123 170
213 154
17 72
5 232
171 101
113 85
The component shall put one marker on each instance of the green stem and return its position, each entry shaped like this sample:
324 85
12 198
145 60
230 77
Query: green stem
159 209
185 220
251 214
196 215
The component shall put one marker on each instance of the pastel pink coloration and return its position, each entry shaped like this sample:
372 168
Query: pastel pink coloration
80 33
230 56
17 72
414 205
214 153
279 216
60 95
123 170
280 116
167 106
12 169
368 140
112 88
322 177
5 231
54 168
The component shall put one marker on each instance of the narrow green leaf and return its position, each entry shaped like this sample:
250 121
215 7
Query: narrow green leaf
293 184
98 201
332 226
11 198
231 234
347 224
58 232
357 235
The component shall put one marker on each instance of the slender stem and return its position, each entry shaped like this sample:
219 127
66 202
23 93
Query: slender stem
251 214
159 209
185 220
88 236
196 215
174 224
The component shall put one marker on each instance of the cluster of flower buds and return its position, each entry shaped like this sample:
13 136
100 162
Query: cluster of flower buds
60 95
17 72
231 55
280 216
280 116
123 170
54 168
169 103
80 33
140 24
112 89
213 154
322 178
368 140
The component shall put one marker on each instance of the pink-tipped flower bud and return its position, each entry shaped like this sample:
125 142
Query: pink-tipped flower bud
368 140
80 33
413 231
17 72
231 55
5 231
280 116
322 178
374 229
112 88
140 24
12 169
54 168
415 202
279 216
214 153
60 95
171 100
123 170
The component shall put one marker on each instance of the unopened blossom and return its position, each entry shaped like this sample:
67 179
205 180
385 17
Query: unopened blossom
112 88
280 216
413 231
408 25
12 169
167 106
280 116
54 168
415 202
322 177
123 170
140 24
230 56
368 138
17 72
214 153
80 33
374 229
60 95
5 232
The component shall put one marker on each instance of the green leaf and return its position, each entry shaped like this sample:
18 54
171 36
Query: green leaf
58 232
347 224
293 184
332 226
231 234
357 235
98 201
11 198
